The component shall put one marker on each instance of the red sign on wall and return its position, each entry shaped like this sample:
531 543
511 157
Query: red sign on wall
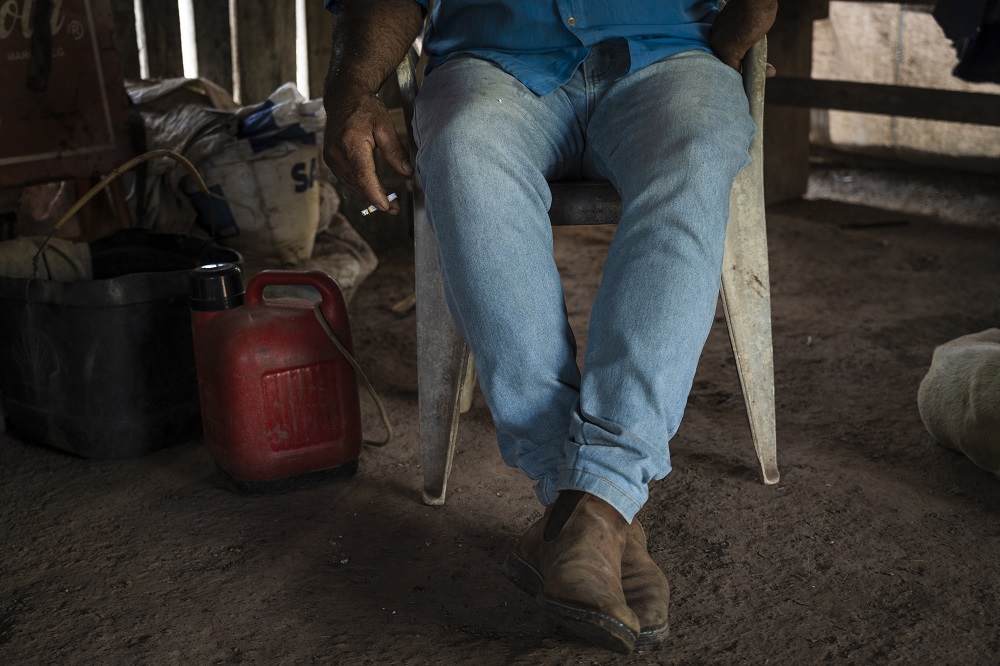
64 115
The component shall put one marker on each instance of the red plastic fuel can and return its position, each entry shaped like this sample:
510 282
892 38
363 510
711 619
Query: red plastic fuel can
279 402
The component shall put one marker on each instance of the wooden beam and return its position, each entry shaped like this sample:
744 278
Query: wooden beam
123 14
319 25
265 51
929 3
213 41
802 10
163 39
926 103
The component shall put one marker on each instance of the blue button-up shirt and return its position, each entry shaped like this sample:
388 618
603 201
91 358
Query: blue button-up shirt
542 43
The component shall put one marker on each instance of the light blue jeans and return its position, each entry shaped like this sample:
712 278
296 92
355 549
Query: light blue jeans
671 137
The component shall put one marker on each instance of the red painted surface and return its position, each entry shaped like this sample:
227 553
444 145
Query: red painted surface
72 122
277 398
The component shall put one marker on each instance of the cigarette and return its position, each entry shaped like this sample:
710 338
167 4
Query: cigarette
372 208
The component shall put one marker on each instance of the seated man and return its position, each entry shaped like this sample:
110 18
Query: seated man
643 93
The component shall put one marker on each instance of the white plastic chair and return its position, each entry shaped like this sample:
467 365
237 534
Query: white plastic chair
443 359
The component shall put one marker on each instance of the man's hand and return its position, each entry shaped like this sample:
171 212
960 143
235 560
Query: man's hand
370 38
740 25
356 123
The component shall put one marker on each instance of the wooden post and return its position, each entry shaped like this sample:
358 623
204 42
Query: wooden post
163 39
123 14
786 130
319 23
213 41
265 51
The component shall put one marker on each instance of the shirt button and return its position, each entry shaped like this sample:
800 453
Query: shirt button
571 21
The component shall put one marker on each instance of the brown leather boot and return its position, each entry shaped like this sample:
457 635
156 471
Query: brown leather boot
646 588
570 562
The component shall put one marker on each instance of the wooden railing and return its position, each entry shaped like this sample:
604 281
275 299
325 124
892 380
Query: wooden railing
925 103
792 94
891 100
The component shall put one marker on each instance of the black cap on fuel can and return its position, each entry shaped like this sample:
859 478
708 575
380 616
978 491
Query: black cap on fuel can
217 287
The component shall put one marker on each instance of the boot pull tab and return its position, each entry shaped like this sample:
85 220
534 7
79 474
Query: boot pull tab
562 510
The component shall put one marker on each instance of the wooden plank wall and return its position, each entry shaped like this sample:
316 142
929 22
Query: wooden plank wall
265 46
262 31
213 39
789 49
163 38
793 93
123 14
319 26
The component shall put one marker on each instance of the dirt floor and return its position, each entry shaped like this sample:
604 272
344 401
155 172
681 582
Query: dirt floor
877 546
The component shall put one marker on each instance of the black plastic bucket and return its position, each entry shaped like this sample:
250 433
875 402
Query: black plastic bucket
104 368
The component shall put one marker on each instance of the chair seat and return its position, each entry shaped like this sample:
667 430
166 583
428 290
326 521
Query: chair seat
584 202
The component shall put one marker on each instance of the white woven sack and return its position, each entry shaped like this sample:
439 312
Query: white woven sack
272 197
959 398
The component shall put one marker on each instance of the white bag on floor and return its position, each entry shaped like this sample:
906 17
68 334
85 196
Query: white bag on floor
268 204
61 260
339 251
959 398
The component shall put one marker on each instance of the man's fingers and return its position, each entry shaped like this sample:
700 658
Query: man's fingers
353 165
395 154
350 140
735 63
367 183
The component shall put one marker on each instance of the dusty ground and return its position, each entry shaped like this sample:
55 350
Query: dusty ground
878 545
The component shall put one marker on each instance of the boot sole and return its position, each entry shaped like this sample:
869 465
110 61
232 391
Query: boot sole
651 637
591 625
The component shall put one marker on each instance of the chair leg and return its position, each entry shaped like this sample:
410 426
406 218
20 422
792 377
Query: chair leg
442 361
746 300
468 386
746 291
